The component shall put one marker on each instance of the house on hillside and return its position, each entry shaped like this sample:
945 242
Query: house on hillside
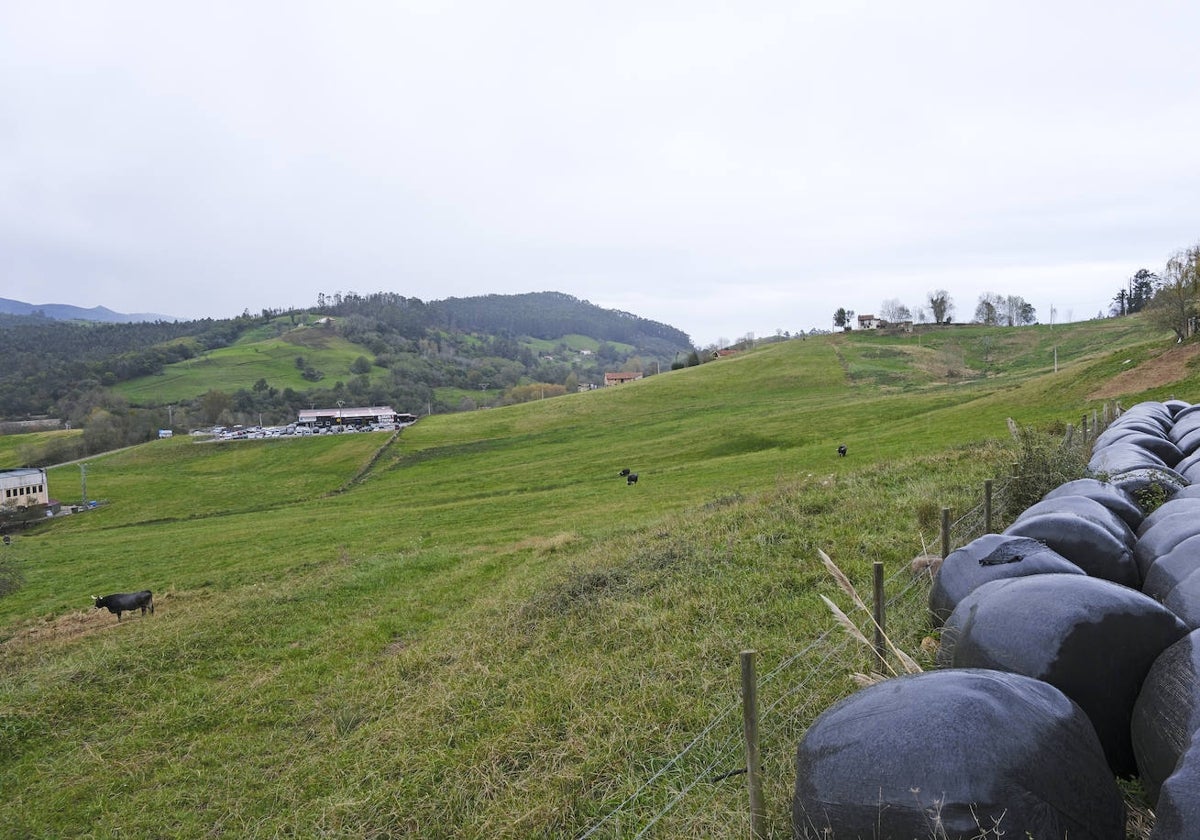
870 322
621 377
23 488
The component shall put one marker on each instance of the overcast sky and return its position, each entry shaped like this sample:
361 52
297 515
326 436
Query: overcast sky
726 168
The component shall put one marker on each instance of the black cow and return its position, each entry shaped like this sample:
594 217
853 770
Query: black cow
126 602
842 451
624 472
631 478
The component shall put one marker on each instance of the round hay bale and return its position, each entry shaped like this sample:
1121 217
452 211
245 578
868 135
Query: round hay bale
987 558
1167 713
1083 542
951 754
1092 639
1104 493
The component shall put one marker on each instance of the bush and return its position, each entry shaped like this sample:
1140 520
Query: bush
1043 461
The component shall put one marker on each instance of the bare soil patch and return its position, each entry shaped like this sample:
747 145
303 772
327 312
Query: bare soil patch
1169 366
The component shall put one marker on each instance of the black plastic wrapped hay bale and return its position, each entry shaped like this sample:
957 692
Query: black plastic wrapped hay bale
1106 494
1167 713
1093 639
987 558
1086 544
951 754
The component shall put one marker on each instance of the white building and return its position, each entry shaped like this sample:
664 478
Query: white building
23 488
324 418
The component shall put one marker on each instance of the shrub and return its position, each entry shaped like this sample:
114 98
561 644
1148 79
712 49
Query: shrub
1043 461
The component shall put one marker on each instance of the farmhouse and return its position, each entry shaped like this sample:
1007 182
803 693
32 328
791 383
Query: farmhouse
870 322
327 418
620 377
23 488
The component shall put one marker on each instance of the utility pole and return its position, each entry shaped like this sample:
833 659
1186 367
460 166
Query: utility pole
83 480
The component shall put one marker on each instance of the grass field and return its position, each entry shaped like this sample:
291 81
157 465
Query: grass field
474 628
256 356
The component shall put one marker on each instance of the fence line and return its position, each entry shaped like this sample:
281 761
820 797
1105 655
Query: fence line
783 719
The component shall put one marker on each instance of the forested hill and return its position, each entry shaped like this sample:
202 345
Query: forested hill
417 356
542 315
549 315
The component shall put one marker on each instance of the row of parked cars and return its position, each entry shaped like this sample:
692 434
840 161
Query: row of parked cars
290 430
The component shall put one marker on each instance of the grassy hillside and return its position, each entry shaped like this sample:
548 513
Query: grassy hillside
257 355
475 628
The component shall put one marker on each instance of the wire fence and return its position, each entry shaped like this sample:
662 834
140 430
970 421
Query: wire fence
704 779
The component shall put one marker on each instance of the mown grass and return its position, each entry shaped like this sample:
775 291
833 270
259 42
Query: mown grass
477 629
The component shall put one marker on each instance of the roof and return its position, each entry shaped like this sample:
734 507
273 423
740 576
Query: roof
23 471
346 413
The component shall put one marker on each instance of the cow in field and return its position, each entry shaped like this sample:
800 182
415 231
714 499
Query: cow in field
624 472
631 479
126 602
842 451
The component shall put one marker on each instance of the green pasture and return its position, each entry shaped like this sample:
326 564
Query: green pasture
25 450
474 628
244 363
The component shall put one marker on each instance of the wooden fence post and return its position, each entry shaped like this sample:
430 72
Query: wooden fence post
758 813
987 506
879 611
945 533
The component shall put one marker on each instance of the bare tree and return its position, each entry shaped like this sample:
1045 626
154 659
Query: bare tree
987 311
998 310
894 311
941 305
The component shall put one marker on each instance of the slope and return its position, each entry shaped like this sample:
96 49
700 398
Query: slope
476 629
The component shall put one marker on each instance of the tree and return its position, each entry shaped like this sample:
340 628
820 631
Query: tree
842 317
1175 305
894 311
213 404
985 311
941 305
1011 310
1137 294
1141 289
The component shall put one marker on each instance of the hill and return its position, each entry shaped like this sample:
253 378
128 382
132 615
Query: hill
474 628
66 312
376 349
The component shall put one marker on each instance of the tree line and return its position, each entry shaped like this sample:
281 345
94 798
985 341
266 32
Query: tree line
938 308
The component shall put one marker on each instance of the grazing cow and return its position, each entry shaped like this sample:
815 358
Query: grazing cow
126 602
631 479
842 451
624 472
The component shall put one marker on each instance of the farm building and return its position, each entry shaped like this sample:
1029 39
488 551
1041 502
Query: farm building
620 377
325 418
23 488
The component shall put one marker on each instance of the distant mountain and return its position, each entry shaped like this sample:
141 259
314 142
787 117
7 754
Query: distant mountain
66 312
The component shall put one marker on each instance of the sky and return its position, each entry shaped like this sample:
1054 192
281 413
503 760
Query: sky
730 169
